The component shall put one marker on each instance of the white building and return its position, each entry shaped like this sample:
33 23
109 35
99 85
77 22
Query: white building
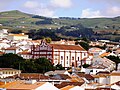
95 69
21 36
114 77
67 55
3 33
6 72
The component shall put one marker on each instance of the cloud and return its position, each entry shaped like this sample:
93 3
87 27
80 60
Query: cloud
61 3
31 4
46 9
89 13
39 8
45 12
113 11
106 12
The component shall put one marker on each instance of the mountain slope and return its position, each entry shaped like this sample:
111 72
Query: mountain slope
16 19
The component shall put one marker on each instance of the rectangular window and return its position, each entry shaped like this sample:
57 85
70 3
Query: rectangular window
67 62
67 57
84 54
78 58
61 57
72 58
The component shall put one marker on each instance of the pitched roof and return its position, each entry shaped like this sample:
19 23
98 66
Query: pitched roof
105 54
22 85
87 76
67 87
63 84
62 76
115 73
67 47
35 76
25 53
17 35
10 48
7 69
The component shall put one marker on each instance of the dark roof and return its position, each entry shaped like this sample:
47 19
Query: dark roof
104 89
63 84
87 76
103 72
26 76
64 76
118 83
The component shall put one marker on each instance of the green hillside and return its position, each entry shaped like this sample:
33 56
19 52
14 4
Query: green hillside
100 28
19 20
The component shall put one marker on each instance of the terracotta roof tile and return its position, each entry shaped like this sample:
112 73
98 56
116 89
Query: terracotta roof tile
10 48
64 76
63 84
17 35
104 54
36 76
25 53
67 47
21 85
67 87
87 76
7 69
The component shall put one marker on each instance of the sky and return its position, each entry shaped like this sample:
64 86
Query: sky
64 8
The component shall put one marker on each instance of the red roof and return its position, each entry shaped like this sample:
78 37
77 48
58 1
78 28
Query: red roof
67 47
7 69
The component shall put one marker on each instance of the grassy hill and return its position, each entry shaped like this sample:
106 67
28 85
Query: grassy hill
103 28
19 20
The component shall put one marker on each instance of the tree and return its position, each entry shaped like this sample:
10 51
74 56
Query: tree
40 65
48 40
59 67
10 61
43 65
85 45
115 59
85 65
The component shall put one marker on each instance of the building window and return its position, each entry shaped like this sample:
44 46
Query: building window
72 58
67 57
84 54
61 57
78 58
67 62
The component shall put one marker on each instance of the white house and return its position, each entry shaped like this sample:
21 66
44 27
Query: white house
5 72
110 65
96 51
3 33
21 36
114 77
95 69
